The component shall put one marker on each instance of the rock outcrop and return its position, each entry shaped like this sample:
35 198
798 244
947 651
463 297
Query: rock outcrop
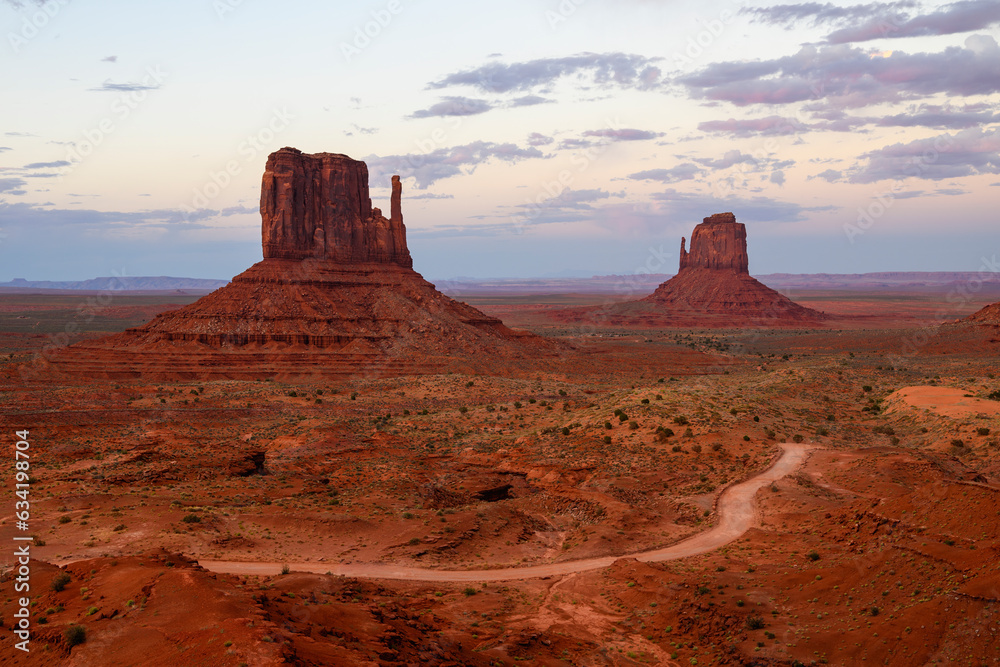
713 281
719 242
335 296
712 288
988 315
318 206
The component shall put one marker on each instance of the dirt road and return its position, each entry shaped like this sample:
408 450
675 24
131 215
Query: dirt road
735 510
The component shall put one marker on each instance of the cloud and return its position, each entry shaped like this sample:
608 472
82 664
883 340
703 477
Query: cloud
939 117
110 87
538 139
4 149
47 165
778 177
767 126
110 59
816 13
529 100
20 134
694 206
239 210
964 16
603 70
847 76
441 163
454 106
728 159
623 135
430 195
965 153
111 222
682 172
829 175
12 185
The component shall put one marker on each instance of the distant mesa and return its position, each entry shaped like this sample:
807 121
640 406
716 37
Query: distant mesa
714 279
335 296
712 288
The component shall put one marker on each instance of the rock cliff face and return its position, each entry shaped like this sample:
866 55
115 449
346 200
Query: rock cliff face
335 296
318 206
718 243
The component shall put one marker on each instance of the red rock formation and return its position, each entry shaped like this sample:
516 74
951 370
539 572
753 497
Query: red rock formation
988 315
713 281
719 242
318 206
334 296
713 287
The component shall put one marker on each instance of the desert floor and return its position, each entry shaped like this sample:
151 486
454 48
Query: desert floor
168 509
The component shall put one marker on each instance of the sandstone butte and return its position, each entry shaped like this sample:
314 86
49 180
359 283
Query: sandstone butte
335 296
713 287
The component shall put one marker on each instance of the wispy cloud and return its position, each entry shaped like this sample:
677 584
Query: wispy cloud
128 87
965 153
47 165
623 134
685 171
603 70
12 186
454 106
958 17
847 77
441 163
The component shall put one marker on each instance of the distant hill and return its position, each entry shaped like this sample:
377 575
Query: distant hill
125 283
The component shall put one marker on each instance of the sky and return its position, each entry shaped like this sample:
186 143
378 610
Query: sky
534 138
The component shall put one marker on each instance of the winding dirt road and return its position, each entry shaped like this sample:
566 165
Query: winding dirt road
735 509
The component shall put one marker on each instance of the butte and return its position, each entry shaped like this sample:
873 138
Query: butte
713 288
335 296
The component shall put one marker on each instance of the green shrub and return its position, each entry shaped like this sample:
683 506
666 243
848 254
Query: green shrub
797 438
565 430
607 440
681 420
75 635
59 581
982 431
755 622
285 569
191 518
813 556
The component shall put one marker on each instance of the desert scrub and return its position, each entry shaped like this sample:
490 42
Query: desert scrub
59 582
75 635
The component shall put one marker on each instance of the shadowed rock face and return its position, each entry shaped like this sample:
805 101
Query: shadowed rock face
719 242
317 206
